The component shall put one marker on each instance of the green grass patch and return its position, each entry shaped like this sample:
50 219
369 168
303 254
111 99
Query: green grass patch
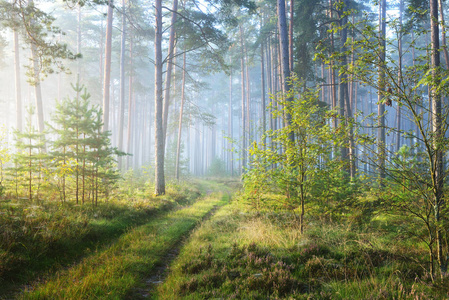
37 239
262 255
115 272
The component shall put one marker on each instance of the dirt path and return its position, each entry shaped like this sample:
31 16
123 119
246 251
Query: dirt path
142 255
161 271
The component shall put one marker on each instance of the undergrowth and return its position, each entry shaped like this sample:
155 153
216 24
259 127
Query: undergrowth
39 238
118 271
262 255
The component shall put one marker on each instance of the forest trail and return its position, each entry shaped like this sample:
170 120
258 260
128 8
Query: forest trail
137 262
158 275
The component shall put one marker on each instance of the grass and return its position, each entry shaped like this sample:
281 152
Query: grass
38 239
240 254
117 271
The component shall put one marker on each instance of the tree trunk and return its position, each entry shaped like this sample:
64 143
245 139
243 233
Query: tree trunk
380 105
122 85
78 42
37 89
159 101
101 53
343 91
283 38
248 102
332 71
437 164
137 131
37 82
230 126
107 67
181 111
443 34
168 75
290 35
243 91
19 114
113 117
347 154
270 86
264 107
130 104
398 113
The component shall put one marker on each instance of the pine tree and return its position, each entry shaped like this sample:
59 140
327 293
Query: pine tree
73 120
30 157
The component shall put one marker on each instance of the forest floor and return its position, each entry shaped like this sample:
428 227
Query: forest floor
246 254
199 243
51 251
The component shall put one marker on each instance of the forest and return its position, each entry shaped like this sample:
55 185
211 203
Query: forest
224 149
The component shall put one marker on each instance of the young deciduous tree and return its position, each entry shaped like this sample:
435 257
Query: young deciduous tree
304 160
415 182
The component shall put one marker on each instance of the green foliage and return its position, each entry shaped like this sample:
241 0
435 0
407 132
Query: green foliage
82 154
30 159
117 271
39 239
39 32
302 167
263 255
415 175
80 163
5 156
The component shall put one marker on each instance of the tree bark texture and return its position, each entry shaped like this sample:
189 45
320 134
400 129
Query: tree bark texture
107 67
168 75
380 94
130 104
19 114
181 111
283 37
122 85
159 130
437 163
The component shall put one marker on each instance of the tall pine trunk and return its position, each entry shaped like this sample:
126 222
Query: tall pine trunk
130 104
437 122
290 34
283 38
230 126
332 71
243 107
159 102
399 113
347 153
262 82
37 81
19 114
443 33
380 105
107 67
181 111
122 85
168 75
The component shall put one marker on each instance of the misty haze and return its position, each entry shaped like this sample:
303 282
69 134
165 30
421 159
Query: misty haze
237 149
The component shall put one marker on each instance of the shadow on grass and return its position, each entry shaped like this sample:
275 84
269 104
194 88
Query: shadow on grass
329 261
36 241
